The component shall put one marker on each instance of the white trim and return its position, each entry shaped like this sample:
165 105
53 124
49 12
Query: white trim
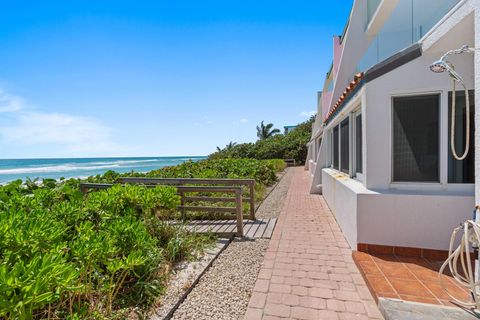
356 174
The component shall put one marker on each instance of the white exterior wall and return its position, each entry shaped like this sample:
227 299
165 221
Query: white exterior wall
412 219
411 78
340 193
379 211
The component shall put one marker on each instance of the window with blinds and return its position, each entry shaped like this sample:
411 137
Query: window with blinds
358 144
416 138
335 147
345 146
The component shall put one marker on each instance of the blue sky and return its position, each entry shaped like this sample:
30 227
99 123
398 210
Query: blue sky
151 78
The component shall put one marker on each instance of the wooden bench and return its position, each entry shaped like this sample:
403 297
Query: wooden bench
182 190
250 183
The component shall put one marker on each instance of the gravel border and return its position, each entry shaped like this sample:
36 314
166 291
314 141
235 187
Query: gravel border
272 205
183 278
225 289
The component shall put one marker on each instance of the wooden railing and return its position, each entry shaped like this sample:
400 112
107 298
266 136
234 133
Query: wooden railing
250 183
183 190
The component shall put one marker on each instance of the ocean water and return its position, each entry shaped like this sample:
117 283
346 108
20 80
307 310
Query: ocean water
12 169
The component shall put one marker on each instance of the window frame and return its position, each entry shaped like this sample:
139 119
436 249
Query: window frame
441 147
349 139
337 126
356 174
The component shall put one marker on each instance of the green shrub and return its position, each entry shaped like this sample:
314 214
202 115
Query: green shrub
289 146
66 256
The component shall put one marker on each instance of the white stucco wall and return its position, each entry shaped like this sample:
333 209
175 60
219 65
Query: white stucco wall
411 219
421 219
412 78
378 211
340 194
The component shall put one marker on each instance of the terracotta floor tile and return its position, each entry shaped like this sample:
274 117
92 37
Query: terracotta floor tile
370 267
415 262
409 287
382 258
397 270
439 291
380 284
362 256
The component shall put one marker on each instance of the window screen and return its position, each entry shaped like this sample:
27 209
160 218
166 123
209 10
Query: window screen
345 146
461 171
335 147
358 144
416 138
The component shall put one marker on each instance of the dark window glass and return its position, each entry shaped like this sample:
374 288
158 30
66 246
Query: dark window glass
335 147
345 146
461 171
416 138
358 143
319 143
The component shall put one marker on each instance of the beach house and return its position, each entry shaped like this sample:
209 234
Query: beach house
380 149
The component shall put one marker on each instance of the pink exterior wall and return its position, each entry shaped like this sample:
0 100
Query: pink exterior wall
326 99
337 53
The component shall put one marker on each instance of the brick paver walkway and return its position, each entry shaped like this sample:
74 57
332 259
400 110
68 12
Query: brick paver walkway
308 271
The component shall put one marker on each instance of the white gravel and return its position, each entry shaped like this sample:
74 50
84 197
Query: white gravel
273 203
182 277
225 289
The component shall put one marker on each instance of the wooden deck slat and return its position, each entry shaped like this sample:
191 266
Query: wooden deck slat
203 226
231 226
218 225
247 225
269 230
224 226
261 228
253 229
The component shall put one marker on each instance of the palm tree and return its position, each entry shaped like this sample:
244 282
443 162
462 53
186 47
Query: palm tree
265 131
228 147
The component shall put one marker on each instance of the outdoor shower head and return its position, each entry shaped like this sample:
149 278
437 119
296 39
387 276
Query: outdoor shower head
443 65
439 66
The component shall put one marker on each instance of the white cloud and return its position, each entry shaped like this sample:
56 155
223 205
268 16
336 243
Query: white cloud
240 122
10 103
308 114
69 134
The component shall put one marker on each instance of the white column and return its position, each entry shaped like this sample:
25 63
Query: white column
477 117
477 104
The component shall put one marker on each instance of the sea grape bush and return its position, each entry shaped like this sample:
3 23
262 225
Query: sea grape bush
65 256
263 171
292 145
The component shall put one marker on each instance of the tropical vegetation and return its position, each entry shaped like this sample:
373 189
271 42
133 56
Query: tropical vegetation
292 145
104 255
266 131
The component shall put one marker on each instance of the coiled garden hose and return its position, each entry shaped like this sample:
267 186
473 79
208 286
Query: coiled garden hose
466 275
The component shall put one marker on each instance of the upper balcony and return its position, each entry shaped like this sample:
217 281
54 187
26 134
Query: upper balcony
391 28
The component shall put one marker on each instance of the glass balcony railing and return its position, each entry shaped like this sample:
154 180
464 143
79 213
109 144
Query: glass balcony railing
372 6
408 23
